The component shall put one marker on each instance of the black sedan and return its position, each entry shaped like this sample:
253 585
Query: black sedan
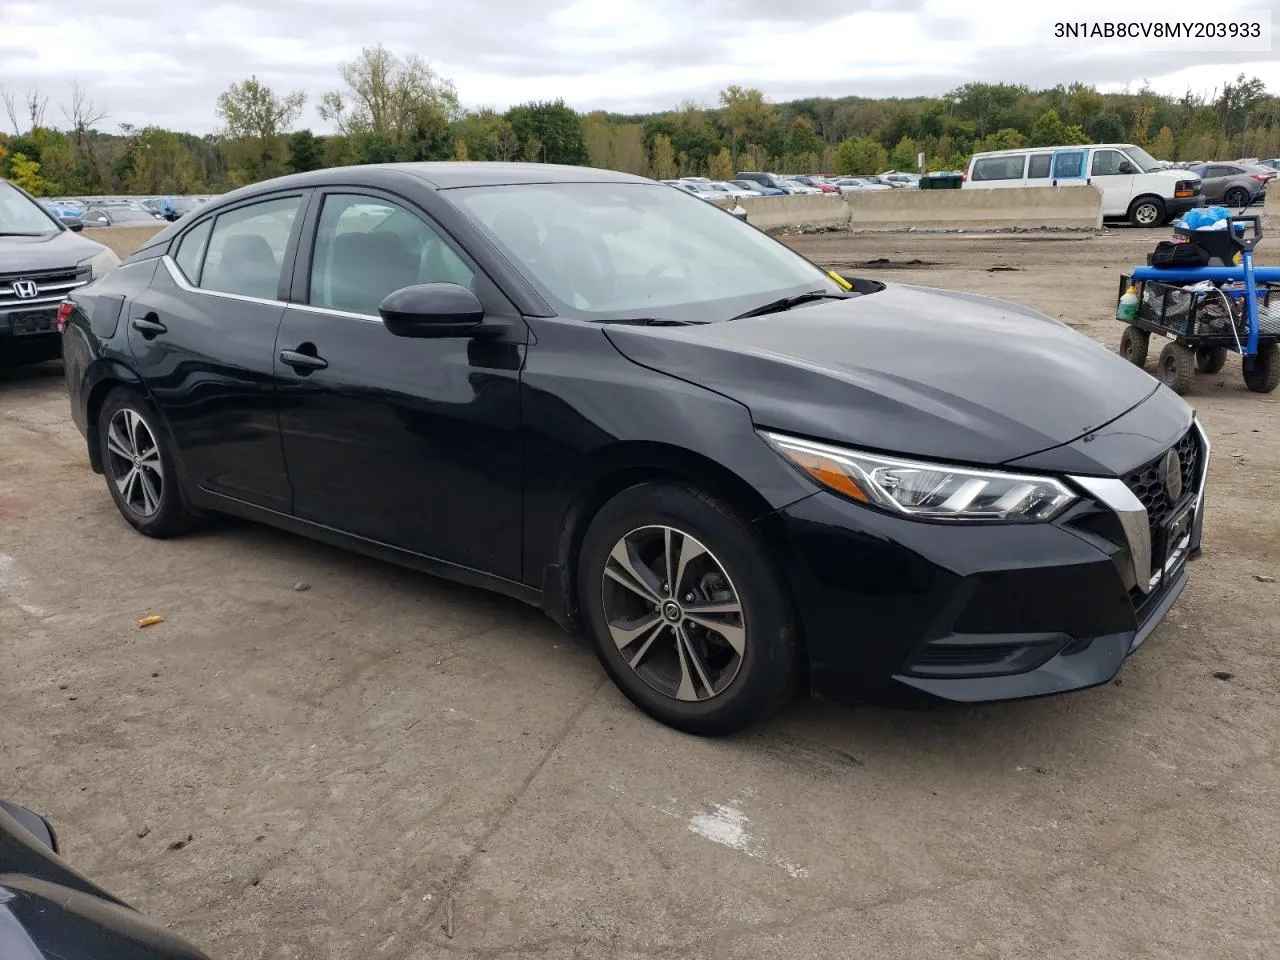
49 911
737 472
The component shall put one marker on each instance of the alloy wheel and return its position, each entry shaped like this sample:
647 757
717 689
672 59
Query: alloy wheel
1147 214
673 613
134 463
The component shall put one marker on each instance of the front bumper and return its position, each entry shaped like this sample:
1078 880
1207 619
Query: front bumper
992 612
1180 205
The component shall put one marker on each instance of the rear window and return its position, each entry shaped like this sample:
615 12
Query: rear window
999 168
1038 167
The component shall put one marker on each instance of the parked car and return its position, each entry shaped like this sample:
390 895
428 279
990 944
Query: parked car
171 208
119 215
724 189
795 186
848 184
733 469
764 179
1273 163
67 213
1233 184
41 261
759 188
896 179
49 910
1134 185
816 183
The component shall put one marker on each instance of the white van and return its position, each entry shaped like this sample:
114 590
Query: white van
1133 183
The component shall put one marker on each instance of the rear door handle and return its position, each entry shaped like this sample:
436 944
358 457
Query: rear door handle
148 327
302 362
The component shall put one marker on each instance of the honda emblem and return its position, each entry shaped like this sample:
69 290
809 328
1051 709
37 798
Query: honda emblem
25 289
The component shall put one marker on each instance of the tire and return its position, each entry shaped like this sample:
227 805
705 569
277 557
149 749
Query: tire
1134 343
1147 212
1176 367
1211 359
1236 197
1265 375
145 490
734 679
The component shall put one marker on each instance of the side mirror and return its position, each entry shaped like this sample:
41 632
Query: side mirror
431 310
75 226
1127 167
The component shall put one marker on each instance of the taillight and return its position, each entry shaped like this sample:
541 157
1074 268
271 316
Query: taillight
1261 177
64 314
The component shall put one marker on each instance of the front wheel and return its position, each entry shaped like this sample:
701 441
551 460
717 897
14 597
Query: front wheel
1147 212
140 469
1265 375
686 610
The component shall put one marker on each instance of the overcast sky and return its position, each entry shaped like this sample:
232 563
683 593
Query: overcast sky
165 61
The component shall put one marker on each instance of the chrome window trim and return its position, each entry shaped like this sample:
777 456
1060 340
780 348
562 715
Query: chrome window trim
186 286
330 312
1114 494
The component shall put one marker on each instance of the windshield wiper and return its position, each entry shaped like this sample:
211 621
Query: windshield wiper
786 303
656 322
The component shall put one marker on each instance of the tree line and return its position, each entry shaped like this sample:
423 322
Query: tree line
390 108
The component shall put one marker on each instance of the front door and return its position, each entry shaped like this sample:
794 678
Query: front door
1068 168
203 337
409 442
1112 173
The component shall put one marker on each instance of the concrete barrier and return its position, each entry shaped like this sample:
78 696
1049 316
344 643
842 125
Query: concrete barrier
1078 207
797 210
1271 209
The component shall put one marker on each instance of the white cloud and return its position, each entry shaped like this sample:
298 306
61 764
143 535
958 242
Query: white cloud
166 63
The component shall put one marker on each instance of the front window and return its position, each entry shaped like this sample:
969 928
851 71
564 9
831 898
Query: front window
1145 161
606 251
21 216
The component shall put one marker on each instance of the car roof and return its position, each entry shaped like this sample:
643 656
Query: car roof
1071 146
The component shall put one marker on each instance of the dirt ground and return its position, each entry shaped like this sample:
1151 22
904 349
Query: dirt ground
336 771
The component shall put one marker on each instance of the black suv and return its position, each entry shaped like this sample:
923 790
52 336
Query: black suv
41 261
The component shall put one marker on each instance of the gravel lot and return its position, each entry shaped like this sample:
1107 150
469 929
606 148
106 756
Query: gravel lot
333 772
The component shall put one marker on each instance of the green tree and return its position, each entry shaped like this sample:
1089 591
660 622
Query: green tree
1048 130
254 112
533 150
903 156
1162 147
25 172
803 138
662 159
721 165
306 152
556 127
488 135
746 114
860 156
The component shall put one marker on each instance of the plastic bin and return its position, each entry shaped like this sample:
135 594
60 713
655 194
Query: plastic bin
941 181
1217 242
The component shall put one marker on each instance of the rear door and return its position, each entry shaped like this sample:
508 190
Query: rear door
203 338
1213 182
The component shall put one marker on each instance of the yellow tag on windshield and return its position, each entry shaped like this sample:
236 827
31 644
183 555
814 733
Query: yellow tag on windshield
840 280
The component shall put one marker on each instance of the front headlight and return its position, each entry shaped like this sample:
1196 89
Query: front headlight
927 491
101 263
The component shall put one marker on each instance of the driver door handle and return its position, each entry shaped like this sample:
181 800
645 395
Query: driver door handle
144 325
302 362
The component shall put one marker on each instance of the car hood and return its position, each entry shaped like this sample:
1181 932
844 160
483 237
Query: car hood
931 373
51 251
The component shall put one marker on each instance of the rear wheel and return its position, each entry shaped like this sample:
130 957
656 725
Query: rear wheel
1265 375
1146 212
686 609
139 468
1133 345
1211 359
1236 197
1176 367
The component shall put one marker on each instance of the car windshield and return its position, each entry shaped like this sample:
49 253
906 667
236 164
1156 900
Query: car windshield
609 251
22 217
1144 160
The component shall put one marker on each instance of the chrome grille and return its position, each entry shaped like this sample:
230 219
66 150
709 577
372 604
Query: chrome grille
1148 485
51 286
